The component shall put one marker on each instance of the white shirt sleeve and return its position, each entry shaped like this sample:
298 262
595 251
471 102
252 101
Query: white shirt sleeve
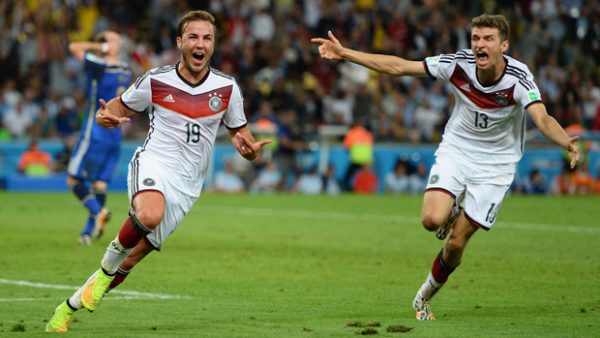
527 92
138 96
234 116
440 66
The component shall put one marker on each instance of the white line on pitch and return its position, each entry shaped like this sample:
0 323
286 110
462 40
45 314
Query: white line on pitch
394 218
133 294
57 299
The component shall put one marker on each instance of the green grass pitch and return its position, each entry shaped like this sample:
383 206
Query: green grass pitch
298 266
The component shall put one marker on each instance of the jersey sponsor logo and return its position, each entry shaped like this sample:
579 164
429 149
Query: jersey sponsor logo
149 182
194 106
496 99
169 98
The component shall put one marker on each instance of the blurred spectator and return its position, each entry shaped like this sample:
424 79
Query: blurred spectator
331 185
574 182
62 157
339 107
44 125
290 143
227 181
591 103
398 181
67 119
268 180
17 121
534 183
418 179
358 141
309 182
262 25
583 180
35 162
366 181
428 121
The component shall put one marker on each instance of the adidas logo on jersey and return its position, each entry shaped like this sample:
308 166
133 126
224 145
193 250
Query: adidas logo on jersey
169 98
465 87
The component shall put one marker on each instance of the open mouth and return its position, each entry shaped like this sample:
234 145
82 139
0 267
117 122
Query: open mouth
198 57
482 56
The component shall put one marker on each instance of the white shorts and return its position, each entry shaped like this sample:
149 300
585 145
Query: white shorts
146 173
478 188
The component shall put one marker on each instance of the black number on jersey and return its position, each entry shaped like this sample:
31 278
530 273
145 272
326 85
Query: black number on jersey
193 132
481 120
491 215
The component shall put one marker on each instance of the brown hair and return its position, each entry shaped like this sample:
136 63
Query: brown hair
493 21
195 16
100 37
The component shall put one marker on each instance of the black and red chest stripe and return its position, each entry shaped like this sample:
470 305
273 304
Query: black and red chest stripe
497 99
193 106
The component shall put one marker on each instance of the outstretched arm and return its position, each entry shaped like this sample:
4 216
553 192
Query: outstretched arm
551 129
244 142
332 49
112 114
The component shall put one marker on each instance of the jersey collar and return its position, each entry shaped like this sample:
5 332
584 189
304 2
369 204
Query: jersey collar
189 83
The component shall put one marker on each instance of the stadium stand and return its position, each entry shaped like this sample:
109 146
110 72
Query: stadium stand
266 45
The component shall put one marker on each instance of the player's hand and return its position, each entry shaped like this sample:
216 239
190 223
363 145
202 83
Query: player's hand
114 42
107 120
573 149
329 48
247 148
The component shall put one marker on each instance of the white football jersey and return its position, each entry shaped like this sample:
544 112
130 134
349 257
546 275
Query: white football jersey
487 124
184 119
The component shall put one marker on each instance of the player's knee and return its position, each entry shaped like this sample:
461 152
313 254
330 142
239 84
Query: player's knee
71 182
99 187
149 218
431 221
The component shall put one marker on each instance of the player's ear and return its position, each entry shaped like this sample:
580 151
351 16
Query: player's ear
504 45
178 40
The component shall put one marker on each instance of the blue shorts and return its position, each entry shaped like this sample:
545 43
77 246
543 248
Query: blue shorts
94 161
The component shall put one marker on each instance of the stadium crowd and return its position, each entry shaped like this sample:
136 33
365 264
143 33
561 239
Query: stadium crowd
266 44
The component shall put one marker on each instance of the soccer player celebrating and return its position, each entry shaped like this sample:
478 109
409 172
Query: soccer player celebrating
476 160
96 154
188 102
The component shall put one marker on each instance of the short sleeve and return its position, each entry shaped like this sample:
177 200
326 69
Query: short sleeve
440 66
527 92
234 116
138 96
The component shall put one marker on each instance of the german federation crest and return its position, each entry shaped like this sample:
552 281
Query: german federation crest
215 103
501 100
